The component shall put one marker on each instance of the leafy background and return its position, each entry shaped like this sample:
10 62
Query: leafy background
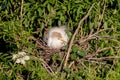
19 21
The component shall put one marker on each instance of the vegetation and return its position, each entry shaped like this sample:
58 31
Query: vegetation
93 52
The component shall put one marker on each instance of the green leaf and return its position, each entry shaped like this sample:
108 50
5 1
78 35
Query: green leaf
49 7
76 50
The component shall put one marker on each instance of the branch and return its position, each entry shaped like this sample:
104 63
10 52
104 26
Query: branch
99 23
44 64
47 67
104 49
76 31
42 46
93 36
21 11
105 58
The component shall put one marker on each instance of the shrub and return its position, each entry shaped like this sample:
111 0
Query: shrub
95 50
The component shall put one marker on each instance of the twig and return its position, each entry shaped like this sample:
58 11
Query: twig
21 11
71 64
41 46
107 48
99 23
103 30
37 42
105 58
47 67
60 67
21 8
92 36
97 62
115 41
76 31
82 63
104 49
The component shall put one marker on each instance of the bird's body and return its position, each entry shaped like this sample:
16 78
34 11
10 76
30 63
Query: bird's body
56 37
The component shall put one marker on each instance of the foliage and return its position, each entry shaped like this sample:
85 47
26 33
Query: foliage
19 21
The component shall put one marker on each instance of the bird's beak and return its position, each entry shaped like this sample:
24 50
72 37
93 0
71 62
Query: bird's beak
62 40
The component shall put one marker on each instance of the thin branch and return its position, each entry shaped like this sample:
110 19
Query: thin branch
103 30
107 48
92 36
42 46
60 67
97 62
47 67
76 31
21 11
105 58
82 63
99 23
71 64
115 41
37 42
101 50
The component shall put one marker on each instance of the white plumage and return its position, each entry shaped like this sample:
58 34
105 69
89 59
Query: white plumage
56 37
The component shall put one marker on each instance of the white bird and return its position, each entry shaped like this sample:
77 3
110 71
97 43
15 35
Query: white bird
56 37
